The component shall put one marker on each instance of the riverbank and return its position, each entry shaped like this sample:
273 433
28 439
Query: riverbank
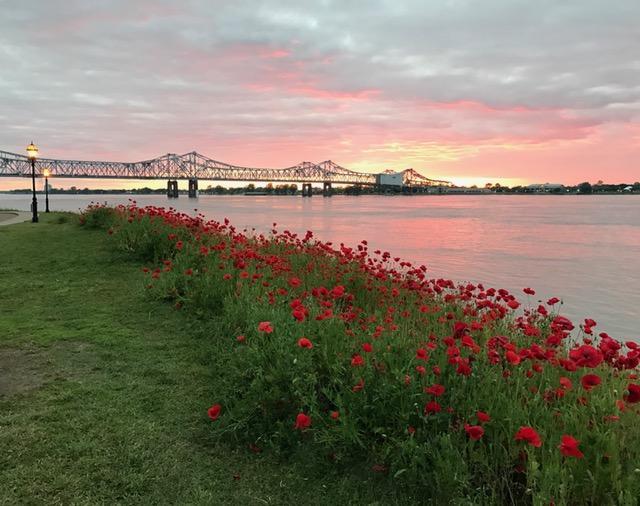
103 392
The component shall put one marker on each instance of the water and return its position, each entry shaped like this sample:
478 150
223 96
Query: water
582 249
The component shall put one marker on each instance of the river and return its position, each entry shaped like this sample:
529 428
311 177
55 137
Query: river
582 249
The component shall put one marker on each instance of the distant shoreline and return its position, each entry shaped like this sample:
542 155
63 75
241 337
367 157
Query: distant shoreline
319 193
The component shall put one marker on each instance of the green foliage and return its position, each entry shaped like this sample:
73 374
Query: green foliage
113 390
267 379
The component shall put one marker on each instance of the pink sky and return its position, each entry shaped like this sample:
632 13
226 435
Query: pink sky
458 92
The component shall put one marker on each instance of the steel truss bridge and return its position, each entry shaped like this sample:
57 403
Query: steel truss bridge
194 166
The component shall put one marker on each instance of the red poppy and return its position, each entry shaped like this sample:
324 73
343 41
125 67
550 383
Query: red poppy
512 357
565 383
335 415
589 381
214 411
586 356
303 421
513 304
529 435
529 291
569 447
435 390
367 348
432 407
241 338
474 432
357 360
303 342
483 417
337 291
265 327
299 314
633 394
421 370
421 354
294 282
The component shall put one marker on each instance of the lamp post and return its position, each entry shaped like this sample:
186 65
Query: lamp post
46 173
32 153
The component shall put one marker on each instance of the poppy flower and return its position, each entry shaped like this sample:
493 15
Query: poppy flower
421 370
241 338
569 447
357 360
512 357
529 435
432 407
513 304
474 432
421 354
367 348
529 291
435 390
294 282
303 421
214 412
265 327
586 356
589 381
483 417
335 415
633 394
565 383
303 342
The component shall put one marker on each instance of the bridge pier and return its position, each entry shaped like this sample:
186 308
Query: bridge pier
326 189
193 188
172 189
307 190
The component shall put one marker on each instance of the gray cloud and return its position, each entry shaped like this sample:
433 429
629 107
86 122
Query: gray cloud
107 77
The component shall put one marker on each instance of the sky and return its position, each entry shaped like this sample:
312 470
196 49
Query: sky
480 91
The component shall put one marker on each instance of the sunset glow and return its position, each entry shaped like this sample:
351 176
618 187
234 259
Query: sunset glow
457 93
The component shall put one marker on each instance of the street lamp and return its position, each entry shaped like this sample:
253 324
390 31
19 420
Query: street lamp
46 173
32 153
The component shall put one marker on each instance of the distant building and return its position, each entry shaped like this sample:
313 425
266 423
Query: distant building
389 178
545 187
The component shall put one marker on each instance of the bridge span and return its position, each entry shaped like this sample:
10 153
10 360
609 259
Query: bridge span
194 166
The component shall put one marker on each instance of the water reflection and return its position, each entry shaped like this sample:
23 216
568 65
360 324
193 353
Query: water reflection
584 249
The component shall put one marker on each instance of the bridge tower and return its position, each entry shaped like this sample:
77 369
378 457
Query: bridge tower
172 189
327 191
193 188
307 190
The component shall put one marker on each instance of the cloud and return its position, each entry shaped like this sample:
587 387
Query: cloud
269 83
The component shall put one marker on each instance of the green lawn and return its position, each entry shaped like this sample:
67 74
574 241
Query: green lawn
103 392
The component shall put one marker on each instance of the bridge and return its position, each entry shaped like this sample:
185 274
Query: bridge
194 167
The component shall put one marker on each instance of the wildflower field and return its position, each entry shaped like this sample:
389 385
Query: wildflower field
464 393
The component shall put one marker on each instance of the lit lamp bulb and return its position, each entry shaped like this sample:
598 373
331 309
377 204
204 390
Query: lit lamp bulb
32 151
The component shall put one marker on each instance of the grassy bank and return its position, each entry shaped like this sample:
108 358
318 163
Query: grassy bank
104 392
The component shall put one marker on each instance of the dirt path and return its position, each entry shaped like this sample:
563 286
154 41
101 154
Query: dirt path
11 217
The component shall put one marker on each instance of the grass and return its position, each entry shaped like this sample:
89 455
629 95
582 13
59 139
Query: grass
103 393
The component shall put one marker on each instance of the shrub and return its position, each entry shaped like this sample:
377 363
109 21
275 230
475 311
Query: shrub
353 356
